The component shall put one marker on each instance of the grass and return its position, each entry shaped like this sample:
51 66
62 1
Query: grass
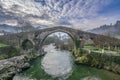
3 45
92 48
8 52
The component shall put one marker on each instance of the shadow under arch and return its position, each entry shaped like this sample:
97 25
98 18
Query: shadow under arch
27 44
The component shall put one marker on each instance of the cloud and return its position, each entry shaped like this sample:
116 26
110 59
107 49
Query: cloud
80 14
87 24
37 21
10 22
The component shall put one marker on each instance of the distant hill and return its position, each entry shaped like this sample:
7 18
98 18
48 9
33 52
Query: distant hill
7 28
13 29
109 30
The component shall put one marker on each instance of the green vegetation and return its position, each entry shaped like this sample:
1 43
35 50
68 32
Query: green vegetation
8 52
77 49
3 45
98 49
102 61
91 47
90 55
94 58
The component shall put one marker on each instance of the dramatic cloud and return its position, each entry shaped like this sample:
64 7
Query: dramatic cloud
81 14
10 22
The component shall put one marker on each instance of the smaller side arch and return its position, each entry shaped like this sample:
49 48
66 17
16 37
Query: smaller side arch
27 44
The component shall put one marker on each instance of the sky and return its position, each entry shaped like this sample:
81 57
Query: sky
78 14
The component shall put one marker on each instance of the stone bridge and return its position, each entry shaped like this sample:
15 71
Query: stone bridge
37 37
40 36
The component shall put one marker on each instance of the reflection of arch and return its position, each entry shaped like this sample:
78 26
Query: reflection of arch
27 44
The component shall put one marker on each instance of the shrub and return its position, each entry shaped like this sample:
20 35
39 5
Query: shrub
8 51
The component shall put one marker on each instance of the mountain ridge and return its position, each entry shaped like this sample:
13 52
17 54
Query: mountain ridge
112 30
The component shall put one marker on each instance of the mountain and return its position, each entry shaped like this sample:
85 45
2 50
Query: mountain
109 30
7 28
15 29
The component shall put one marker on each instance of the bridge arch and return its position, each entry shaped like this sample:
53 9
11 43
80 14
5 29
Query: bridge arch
69 34
41 36
27 44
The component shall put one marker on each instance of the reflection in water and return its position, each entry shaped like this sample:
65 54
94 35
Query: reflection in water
57 63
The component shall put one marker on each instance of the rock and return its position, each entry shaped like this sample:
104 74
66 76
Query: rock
91 78
20 77
9 67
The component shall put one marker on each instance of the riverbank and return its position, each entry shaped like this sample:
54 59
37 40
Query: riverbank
100 61
80 72
9 67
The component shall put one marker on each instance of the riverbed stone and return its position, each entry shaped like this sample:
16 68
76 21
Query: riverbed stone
9 67
91 78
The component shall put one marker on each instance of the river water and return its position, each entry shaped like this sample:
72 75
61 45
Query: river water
58 65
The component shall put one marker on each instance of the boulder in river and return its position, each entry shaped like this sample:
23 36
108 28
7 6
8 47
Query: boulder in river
91 78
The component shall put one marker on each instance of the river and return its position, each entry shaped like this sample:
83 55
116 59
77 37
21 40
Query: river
59 65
